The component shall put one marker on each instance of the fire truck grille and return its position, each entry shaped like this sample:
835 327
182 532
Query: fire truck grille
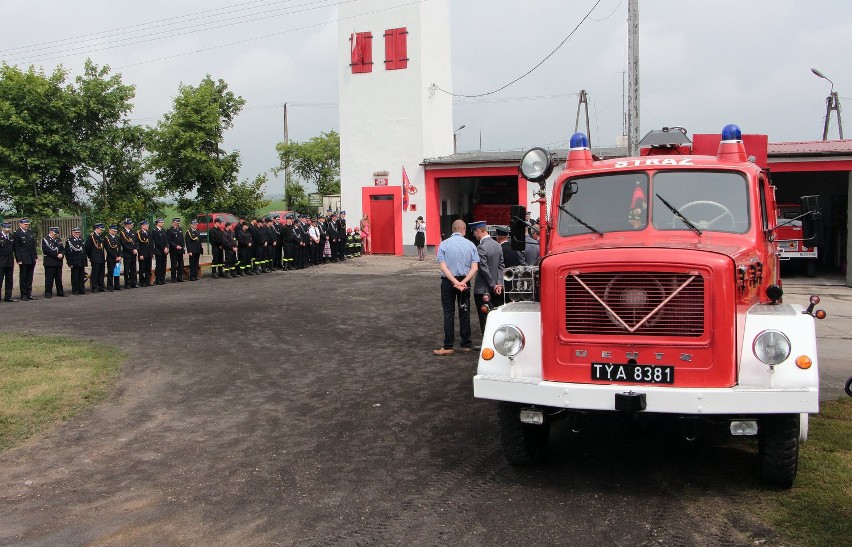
635 303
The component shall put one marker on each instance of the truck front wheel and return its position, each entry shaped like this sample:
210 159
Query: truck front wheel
522 444
778 449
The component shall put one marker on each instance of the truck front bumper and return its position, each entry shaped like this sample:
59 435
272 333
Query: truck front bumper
667 400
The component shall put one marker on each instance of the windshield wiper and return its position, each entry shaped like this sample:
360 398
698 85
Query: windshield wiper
679 215
581 221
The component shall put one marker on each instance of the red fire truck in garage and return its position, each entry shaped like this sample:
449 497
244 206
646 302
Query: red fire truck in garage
656 294
791 244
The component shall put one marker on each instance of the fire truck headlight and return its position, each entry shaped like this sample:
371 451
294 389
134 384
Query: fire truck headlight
536 165
771 346
508 340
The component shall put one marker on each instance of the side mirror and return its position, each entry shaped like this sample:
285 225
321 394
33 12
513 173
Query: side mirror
518 227
811 217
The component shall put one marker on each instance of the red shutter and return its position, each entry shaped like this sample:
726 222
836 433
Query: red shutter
390 49
361 49
396 48
402 48
367 51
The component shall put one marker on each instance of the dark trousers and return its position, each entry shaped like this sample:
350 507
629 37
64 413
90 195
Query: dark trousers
145 272
160 269
7 276
96 278
340 249
218 259
230 261
289 255
53 276
244 258
270 256
112 281
78 275
480 303
278 256
130 279
25 278
316 253
193 265
449 297
177 266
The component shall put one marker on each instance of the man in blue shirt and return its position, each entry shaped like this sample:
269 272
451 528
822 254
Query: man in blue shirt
459 262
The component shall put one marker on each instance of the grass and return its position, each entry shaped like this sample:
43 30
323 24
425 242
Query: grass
47 379
818 509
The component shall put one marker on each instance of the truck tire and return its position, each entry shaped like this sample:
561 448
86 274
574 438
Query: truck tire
811 268
522 444
778 449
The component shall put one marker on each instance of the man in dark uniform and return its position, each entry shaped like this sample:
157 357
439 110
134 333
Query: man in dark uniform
333 237
145 248
95 251
129 251
256 243
244 244
305 241
271 244
229 248
193 249
341 230
290 244
7 260
264 251
112 245
177 246
313 231
75 255
54 253
278 255
160 241
489 276
26 256
511 257
217 248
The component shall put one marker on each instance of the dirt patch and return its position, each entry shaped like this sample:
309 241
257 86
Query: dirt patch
305 408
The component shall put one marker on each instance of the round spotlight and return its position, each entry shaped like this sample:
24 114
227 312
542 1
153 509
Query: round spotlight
771 346
508 340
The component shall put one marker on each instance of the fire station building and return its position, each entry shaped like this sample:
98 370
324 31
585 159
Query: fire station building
397 159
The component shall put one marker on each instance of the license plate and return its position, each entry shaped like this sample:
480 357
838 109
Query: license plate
645 374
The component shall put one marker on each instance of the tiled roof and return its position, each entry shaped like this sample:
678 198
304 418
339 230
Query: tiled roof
810 148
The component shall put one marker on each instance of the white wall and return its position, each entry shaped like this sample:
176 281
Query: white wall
391 118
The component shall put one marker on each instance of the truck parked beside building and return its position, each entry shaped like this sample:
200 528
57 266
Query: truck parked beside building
656 295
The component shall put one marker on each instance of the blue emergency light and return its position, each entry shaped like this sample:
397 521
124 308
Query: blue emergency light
731 132
579 140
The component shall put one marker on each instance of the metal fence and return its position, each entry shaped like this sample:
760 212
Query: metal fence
41 225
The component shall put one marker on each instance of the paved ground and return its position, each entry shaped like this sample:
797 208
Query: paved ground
304 409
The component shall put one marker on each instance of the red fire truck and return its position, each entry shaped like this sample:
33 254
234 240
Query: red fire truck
656 295
789 237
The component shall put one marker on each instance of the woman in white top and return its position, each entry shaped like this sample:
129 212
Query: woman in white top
420 238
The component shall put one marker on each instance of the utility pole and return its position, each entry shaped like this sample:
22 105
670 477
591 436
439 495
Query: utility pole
832 104
633 77
287 165
583 101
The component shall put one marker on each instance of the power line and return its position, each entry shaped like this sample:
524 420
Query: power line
238 42
530 71
151 24
516 99
173 33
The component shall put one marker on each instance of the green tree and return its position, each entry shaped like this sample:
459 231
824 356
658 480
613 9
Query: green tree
187 157
245 198
316 161
112 150
38 147
295 198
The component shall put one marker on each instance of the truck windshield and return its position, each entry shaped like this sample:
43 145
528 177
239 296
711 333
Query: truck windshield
607 203
712 201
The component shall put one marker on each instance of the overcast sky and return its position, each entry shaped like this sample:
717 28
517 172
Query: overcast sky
703 63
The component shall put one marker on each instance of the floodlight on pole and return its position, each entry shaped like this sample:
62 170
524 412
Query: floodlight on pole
455 138
832 103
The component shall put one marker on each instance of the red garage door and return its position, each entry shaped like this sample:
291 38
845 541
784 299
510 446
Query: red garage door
382 224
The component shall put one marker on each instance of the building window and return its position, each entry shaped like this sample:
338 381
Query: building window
396 48
361 48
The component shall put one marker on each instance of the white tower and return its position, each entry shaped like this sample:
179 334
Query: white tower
391 53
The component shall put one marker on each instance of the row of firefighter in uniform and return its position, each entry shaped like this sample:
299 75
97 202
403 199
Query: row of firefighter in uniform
254 247
268 244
